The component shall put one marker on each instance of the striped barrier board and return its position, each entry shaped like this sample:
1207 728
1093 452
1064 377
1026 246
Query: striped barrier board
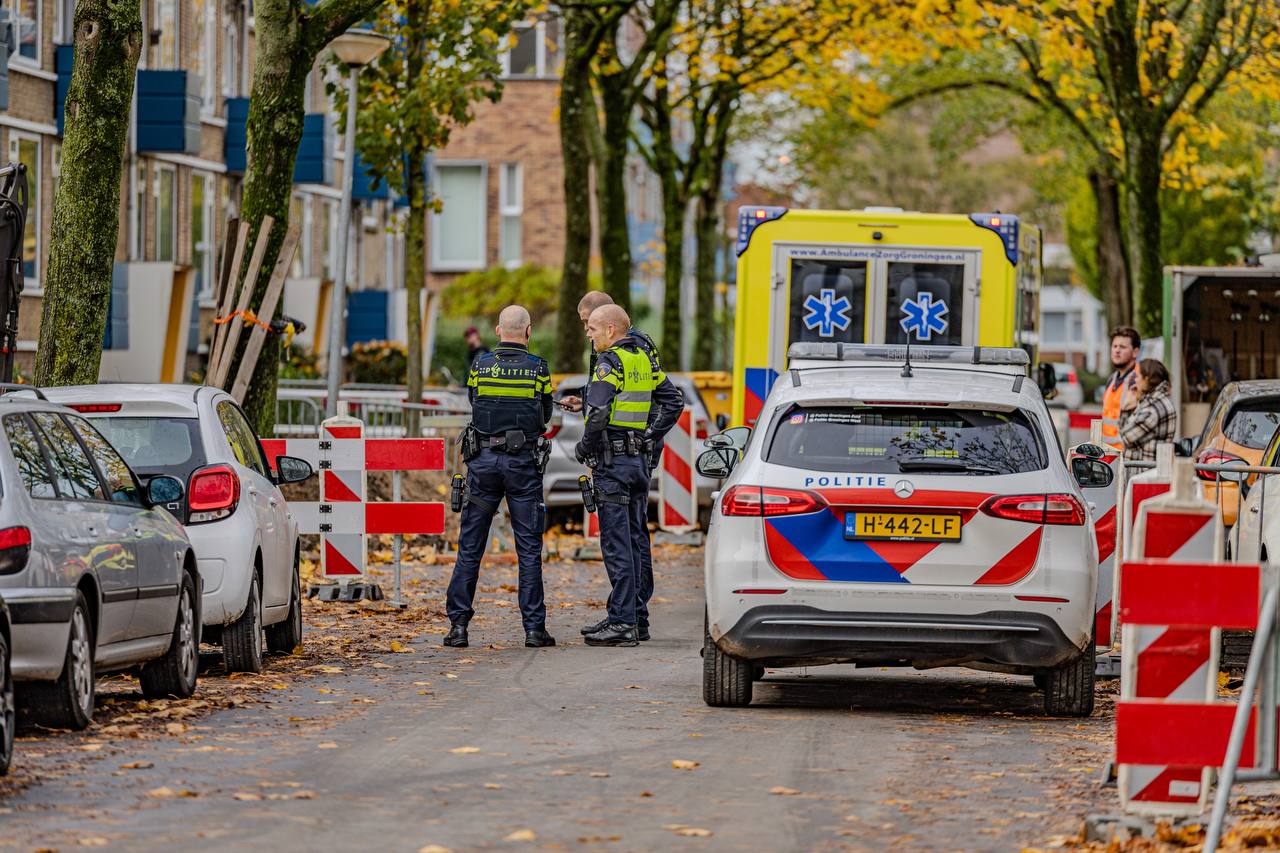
1169 660
677 483
343 516
1183 734
1104 525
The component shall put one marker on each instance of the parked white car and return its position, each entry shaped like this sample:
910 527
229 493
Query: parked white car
886 516
245 538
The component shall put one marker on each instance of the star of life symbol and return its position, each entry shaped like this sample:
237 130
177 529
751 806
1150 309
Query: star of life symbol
826 313
922 316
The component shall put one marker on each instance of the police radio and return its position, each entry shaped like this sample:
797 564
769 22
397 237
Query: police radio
588 493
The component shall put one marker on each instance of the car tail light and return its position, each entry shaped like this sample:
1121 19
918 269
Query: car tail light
761 501
93 408
1214 457
1037 509
15 546
551 431
701 429
212 494
1072 379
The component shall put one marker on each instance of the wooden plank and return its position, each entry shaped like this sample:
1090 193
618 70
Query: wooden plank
228 352
258 336
230 240
230 276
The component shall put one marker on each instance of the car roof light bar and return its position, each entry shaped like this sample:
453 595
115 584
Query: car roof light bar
1013 356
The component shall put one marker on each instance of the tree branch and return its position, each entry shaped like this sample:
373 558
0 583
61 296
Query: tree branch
333 17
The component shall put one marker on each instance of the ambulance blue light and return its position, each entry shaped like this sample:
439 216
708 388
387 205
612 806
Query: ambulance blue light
1003 224
751 218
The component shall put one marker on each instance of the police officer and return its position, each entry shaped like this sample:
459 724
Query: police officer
628 401
510 393
591 301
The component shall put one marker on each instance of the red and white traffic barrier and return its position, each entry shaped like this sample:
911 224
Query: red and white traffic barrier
1104 515
1170 661
1138 488
677 482
343 516
1167 744
1080 428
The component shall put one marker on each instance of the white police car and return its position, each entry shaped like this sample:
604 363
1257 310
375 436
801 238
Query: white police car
884 514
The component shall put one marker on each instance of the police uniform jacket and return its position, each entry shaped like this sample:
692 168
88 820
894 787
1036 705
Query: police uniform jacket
606 409
510 389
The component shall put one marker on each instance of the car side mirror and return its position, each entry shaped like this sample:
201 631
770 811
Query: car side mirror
1091 473
722 421
736 437
290 469
717 463
163 490
1089 451
1047 379
1184 447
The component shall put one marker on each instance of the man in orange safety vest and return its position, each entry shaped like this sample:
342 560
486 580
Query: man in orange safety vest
1124 355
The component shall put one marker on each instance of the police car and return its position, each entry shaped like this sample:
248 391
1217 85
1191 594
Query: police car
895 512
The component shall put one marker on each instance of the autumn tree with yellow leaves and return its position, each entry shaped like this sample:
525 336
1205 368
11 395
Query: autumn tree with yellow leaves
1134 79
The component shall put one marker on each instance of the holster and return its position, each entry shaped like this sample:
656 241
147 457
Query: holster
515 440
470 443
542 454
457 493
648 455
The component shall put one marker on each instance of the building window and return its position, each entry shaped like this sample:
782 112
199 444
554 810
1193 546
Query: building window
328 237
1053 327
231 60
166 212
202 194
458 230
536 51
55 166
165 23
25 15
137 218
25 149
64 21
204 62
510 208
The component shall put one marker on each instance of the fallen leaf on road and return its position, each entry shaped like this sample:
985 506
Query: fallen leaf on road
137 765
492 786
783 792
465 750
682 764
91 747
246 796
303 795
694 832
434 848
175 729
646 793
327 745
329 670
521 835
599 775
380 665
168 793
93 841
397 646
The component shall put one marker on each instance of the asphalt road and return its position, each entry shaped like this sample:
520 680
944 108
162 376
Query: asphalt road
573 748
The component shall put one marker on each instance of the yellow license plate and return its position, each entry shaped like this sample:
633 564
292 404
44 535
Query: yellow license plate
902 526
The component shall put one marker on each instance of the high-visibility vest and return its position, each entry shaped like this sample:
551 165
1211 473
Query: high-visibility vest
1112 405
634 395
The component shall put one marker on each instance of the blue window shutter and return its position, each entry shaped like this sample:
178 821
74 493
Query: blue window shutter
6 48
366 316
117 332
236 140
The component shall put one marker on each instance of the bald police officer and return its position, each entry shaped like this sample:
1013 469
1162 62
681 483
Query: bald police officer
592 300
510 393
630 402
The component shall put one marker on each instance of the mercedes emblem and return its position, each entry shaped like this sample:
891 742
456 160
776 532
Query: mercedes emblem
904 489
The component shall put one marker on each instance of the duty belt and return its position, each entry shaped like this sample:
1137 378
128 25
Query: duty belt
500 442
631 445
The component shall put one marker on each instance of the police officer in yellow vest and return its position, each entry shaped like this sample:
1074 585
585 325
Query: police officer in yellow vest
1120 387
630 404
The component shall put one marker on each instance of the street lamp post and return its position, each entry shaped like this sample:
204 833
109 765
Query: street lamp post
355 48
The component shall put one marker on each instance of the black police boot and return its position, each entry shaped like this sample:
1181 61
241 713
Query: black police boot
457 636
642 632
614 634
538 638
592 628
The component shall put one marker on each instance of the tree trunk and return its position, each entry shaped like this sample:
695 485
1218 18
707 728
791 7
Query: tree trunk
1144 159
707 229
287 44
86 220
575 100
611 177
415 274
675 205
1112 264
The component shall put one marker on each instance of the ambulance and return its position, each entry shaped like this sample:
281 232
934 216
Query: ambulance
878 276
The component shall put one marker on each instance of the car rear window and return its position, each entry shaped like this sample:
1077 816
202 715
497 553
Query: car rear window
894 439
154 446
1252 424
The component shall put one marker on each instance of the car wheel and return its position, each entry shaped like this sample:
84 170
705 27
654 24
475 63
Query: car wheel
1040 680
242 640
8 717
284 637
1068 689
726 681
175 673
68 702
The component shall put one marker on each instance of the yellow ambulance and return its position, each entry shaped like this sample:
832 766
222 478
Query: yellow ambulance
879 276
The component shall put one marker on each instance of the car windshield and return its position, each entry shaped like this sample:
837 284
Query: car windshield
897 439
154 446
1253 423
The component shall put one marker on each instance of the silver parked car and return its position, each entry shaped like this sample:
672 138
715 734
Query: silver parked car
560 482
245 537
8 719
96 572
